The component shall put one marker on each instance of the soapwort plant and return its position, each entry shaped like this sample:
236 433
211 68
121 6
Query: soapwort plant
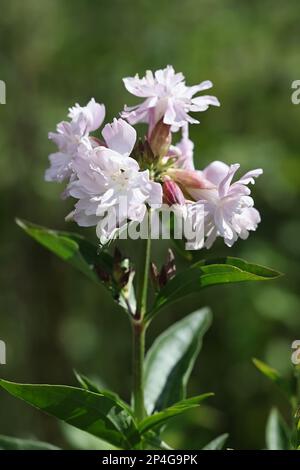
118 183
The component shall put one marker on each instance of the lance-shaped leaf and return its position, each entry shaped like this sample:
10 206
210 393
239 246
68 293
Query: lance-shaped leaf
13 443
210 273
92 412
217 443
158 419
288 387
277 432
170 360
98 265
71 247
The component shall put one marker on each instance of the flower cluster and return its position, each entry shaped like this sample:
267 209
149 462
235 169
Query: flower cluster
115 178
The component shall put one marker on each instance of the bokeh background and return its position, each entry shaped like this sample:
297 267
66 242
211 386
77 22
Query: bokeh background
58 52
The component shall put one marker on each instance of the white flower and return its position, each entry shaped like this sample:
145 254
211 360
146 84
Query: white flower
73 137
110 188
228 208
167 98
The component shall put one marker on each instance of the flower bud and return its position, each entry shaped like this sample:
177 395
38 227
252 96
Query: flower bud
189 179
172 194
154 276
160 139
168 270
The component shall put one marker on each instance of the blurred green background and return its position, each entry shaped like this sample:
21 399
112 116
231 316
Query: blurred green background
54 53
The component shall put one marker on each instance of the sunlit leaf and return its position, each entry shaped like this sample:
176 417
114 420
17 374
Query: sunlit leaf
217 443
272 374
170 360
277 432
160 418
210 273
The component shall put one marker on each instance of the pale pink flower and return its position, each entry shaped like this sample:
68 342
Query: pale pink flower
229 209
72 137
166 97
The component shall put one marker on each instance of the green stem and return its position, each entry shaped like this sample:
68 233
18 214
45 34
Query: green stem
138 366
144 290
139 329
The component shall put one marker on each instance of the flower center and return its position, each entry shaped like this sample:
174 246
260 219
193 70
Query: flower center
120 178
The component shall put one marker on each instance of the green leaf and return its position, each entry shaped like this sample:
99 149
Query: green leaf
13 443
70 247
217 443
277 432
84 256
81 440
274 376
209 273
158 419
170 360
94 413
88 384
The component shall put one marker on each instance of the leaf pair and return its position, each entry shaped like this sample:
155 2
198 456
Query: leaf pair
103 414
100 414
85 256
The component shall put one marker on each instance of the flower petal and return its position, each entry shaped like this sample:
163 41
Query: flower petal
120 136
216 172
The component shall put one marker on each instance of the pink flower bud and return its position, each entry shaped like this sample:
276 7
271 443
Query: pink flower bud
160 139
189 179
172 194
